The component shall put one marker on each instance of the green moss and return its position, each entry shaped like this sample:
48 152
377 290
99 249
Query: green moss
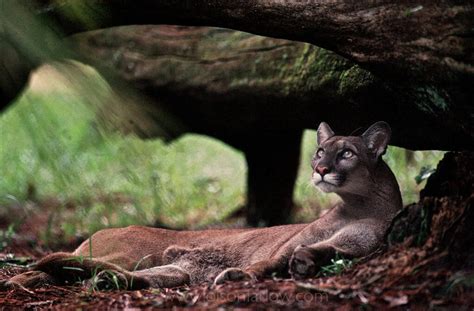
315 69
355 78
292 69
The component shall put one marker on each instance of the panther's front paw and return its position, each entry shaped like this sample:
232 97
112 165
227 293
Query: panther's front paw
233 274
302 263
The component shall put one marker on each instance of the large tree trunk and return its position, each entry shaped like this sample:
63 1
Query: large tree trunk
443 218
430 41
232 85
433 36
272 162
424 51
14 72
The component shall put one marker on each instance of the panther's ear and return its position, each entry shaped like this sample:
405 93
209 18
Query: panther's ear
377 137
324 133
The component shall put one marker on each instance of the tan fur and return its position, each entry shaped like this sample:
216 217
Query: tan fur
155 257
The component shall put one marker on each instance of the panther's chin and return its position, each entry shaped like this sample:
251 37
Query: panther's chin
326 187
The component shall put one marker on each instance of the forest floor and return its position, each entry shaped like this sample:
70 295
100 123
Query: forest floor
401 276
427 262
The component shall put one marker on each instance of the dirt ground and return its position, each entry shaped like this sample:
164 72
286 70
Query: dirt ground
402 277
428 262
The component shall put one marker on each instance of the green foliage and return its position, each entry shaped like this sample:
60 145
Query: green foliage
336 267
406 165
425 172
107 280
100 279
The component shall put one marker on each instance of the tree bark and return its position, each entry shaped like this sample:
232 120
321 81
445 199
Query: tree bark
424 50
391 38
231 85
271 177
14 72
444 216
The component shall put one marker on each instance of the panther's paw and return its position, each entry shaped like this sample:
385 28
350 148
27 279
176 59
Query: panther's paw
302 263
233 274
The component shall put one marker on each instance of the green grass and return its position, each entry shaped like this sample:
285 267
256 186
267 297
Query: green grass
336 267
51 143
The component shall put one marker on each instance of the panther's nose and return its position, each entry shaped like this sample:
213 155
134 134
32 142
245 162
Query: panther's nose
322 170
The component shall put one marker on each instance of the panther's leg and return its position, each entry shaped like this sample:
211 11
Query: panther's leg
173 252
164 276
355 240
253 272
157 277
267 267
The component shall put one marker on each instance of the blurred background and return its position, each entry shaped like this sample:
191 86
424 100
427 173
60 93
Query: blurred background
64 176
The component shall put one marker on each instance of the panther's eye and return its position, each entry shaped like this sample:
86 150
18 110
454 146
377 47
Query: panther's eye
347 154
320 153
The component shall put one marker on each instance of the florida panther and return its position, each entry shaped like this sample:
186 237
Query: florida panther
350 166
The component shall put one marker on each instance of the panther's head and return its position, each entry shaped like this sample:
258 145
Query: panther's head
344 164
